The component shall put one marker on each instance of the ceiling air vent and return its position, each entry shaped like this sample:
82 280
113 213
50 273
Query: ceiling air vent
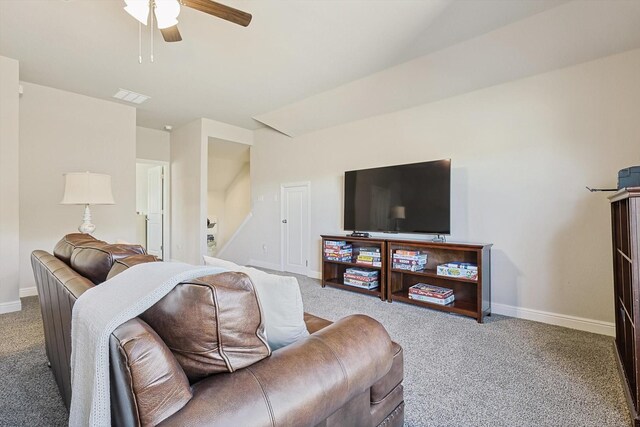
129 96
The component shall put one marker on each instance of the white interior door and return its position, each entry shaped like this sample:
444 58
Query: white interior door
295 228
155 179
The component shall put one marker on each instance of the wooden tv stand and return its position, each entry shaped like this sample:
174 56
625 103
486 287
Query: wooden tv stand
333 271
472 297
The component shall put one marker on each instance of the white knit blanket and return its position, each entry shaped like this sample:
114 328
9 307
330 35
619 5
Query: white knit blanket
97 313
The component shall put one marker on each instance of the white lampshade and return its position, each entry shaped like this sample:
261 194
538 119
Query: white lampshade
85 188
139 9
167 12
397 212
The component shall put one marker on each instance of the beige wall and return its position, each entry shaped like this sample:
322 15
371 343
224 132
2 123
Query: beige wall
188 189
9 196
65 132
215 208
237 204
189 173
231 206
152 144
522 154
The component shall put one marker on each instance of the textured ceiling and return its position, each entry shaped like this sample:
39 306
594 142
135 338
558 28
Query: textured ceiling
566 35
291 50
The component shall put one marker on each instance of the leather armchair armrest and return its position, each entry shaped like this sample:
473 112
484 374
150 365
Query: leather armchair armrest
68 278
299 385
147 383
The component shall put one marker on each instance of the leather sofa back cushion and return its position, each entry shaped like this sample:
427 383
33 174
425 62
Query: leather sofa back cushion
122 264
212 324
281 302
94 261
64 248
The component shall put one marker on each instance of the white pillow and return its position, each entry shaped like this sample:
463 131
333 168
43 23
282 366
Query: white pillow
281 303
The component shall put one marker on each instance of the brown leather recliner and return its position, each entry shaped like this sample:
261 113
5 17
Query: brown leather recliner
347 373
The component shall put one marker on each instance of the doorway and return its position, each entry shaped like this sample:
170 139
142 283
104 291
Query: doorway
152 202
228 192
295 227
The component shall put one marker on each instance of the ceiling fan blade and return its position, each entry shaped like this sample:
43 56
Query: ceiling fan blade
219 10
171 34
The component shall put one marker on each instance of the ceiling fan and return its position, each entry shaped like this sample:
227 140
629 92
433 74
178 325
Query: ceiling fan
166 13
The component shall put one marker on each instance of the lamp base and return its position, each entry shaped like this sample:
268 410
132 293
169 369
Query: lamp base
86 227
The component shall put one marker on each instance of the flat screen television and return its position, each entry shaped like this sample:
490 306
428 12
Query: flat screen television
411 198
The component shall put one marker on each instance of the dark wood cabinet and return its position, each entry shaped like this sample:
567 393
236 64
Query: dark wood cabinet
472 296
333 271
625 222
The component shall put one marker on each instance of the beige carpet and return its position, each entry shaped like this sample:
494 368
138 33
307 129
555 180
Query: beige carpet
505 372
28 393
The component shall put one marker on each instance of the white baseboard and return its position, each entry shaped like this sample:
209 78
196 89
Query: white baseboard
264 264
11 306
315 274
28 292
572 322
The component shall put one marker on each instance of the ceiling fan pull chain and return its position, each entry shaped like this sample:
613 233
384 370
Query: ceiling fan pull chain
152 10
139 43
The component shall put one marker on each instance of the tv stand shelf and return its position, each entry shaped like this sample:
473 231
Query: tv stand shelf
466 308
472 296
333 271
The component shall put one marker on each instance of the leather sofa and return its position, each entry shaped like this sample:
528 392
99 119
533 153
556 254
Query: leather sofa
347 373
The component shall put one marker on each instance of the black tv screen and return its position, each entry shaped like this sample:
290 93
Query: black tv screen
412 198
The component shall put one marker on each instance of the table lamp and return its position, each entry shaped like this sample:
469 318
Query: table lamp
397 213
86 188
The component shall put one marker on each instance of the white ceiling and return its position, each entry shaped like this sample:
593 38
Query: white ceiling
292 49
572 33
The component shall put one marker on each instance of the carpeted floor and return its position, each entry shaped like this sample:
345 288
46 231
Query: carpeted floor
28 393
506 372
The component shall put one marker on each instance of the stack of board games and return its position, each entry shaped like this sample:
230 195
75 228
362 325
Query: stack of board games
465 270
369 256
409 260
361 278
433 294
338 250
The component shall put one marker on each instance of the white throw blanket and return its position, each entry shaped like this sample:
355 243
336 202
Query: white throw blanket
97 313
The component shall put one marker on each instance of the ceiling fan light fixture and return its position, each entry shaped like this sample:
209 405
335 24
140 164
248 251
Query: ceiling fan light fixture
139 9
167 12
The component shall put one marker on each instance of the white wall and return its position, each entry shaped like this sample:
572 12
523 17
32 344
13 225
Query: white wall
189 203
65 132
231 206
522 153
188 188
237 204
215 209
9 196
152 144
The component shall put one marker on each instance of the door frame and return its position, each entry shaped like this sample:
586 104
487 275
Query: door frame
166 204
307 251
